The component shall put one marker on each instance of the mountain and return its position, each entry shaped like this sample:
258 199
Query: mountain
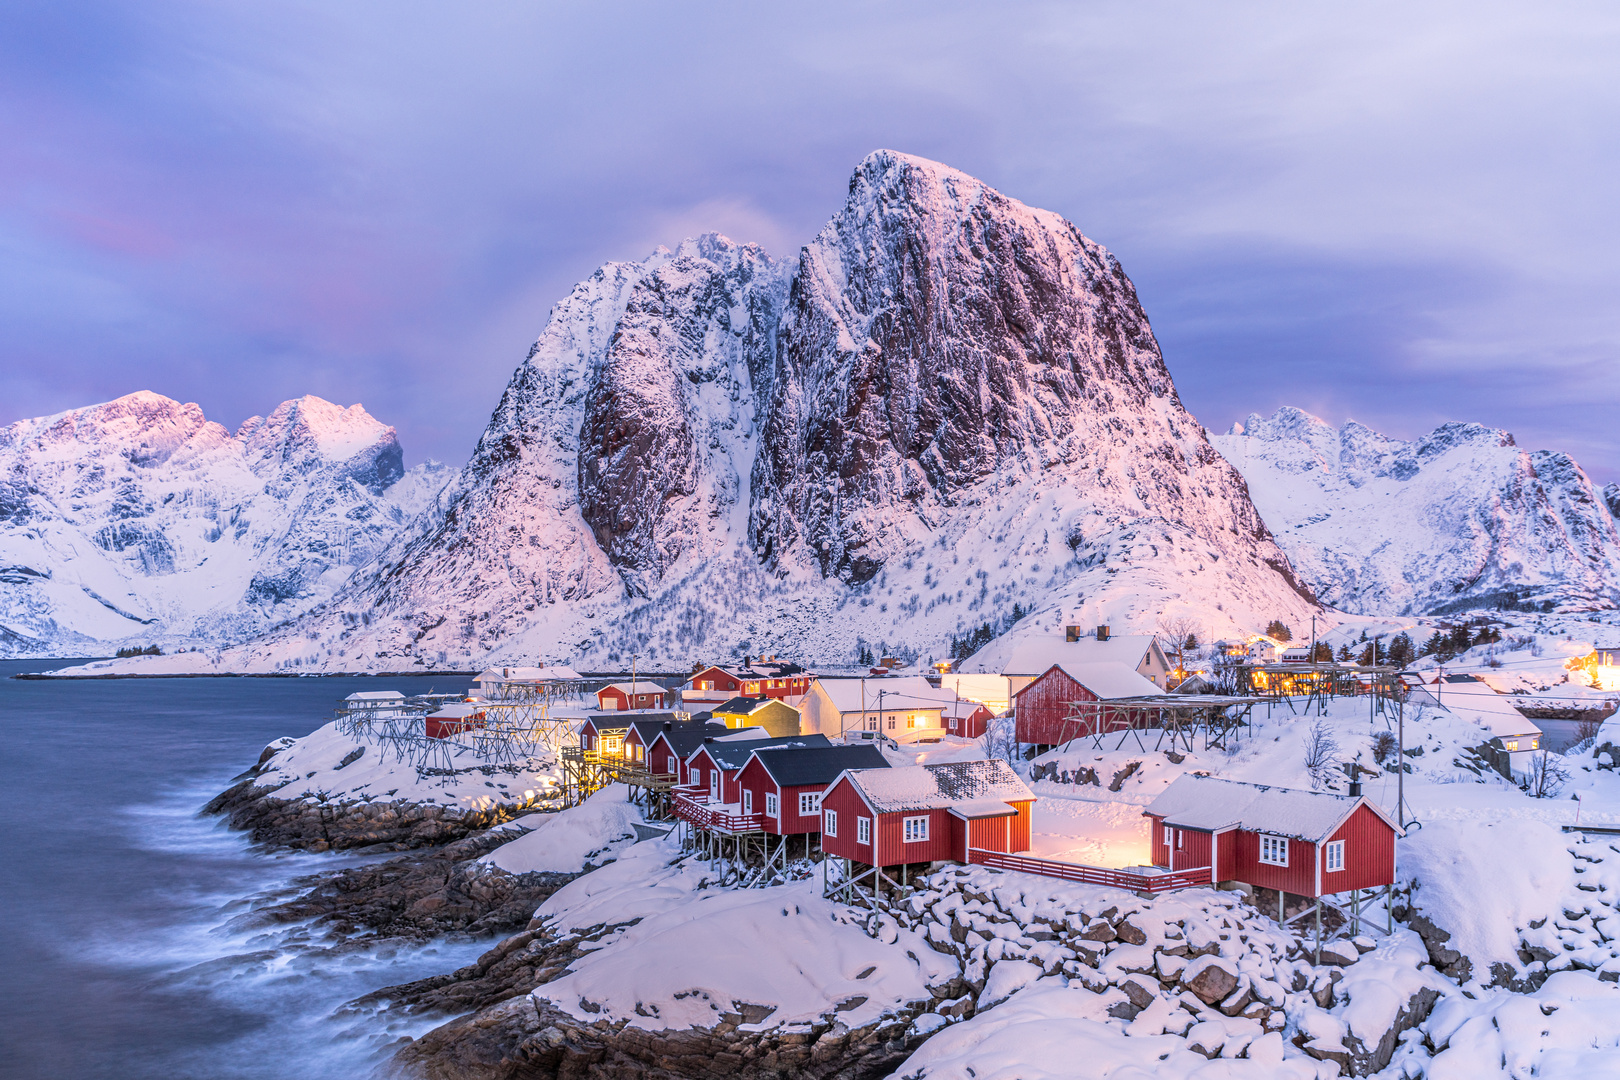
1461 518
139 521
950 410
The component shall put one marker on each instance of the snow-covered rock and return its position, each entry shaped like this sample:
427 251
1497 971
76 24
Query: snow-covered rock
141 521
1461 518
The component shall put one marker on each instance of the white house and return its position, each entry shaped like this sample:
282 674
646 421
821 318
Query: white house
1036 655
904 708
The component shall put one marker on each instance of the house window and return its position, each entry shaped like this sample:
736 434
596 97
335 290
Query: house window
1335 855
809 803
748 801
770 804
1274 850
952 723
1512 744
911 721
1535 744
830 822
891 723
915 828
863 830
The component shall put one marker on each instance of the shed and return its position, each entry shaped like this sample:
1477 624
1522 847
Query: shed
772 714
453 719
1043 712
1308 843
1512 738
786 783
632 695
926 813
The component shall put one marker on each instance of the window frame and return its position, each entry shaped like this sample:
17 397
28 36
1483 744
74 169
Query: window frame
772 807
863 830
918 824
1273 844
1332 849
814 803
829 823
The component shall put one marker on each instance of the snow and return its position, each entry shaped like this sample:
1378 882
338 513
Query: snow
1108 680
1035 656
1203 802
922 787
568 841
1564 1029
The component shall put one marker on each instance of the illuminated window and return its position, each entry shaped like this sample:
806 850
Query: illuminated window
1274 850
1335 855
1512 744
915 829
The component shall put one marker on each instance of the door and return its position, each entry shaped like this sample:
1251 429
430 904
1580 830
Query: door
714 785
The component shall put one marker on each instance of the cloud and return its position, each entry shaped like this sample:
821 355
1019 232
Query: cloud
1399 213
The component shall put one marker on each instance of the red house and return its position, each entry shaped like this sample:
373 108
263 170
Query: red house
609 733
672 743
453 720
925 813
718 684
966 719
714 765
636 695
1043 711
1308 843
786 783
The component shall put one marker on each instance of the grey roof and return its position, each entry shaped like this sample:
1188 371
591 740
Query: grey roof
929 787
792 766
682 738
743 705
622 721
1210 803
734 755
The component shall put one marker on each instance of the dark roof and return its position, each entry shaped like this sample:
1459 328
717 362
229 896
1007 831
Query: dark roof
685 738
621 721
734 755
742 705
791 766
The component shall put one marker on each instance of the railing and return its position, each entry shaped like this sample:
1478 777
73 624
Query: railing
1091 875
702 816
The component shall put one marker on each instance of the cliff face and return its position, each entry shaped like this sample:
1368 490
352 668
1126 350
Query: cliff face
139 520
1458 519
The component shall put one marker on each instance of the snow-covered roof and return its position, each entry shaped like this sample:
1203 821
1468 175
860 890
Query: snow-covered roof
792 766
975 809
929 787
375 695
894 692
640 687
1109 679
1472 698
456 711
1208 802
1037 654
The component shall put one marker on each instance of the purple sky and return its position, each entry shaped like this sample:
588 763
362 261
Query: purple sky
1404 217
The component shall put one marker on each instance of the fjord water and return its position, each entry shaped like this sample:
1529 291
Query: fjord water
117 954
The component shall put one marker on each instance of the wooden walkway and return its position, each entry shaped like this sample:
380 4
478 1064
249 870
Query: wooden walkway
1091 875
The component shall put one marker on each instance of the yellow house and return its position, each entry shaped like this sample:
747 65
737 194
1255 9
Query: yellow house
775 716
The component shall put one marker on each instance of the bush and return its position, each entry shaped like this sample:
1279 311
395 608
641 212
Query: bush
1385 746
1321 754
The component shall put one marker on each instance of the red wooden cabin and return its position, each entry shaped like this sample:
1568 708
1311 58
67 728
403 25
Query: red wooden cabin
925 813
670 744
966 719
453 720
714 765
1043 712
613 733
636 695
1308 843
773 681
786 783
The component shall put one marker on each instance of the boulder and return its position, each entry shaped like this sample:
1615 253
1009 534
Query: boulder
1210 978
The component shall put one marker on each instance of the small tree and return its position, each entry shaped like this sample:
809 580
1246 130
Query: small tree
1384 747
1323 654
1000 740
1321 754
1344 653
1546 777
1278 629
1176 632
1401 650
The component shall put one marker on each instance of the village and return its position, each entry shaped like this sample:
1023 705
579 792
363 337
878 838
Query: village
873 779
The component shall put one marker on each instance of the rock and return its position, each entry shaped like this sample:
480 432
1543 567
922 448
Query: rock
1339 953
1129 932
1141 991
1207 1038
1210 979
1099 930
1240 999
1449 961
1366 1060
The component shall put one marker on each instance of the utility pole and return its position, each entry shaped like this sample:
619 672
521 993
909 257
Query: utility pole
632 702
1400 765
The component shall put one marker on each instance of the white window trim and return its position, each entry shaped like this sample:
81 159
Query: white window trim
809 803
1277 843
829 824
1335 854
863 830
917 825
770 805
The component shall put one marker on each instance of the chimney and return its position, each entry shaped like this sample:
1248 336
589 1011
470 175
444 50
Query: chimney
668 726
1071 633
1355 789
1102 633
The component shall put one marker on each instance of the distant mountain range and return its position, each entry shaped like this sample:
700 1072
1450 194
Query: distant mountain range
948 415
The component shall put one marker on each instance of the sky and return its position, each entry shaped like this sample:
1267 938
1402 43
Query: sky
1402 214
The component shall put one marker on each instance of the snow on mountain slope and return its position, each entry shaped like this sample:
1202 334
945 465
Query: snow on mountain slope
1461 518
951 404
139 520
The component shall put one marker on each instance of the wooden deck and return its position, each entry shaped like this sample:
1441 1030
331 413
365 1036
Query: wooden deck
1091 875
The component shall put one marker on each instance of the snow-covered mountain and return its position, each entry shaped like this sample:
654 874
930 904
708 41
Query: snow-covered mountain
950 405
1461 518
139 521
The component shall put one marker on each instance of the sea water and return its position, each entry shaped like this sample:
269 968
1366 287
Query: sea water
122 949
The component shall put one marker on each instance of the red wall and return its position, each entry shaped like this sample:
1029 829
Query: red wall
621 701
842 798
729 791
1043 714
1191 851
754 779
659 759
1298 877
1226 855
1369 854
893 849
969 727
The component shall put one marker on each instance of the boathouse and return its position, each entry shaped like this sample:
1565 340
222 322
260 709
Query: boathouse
1048 712
786 783
925 813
